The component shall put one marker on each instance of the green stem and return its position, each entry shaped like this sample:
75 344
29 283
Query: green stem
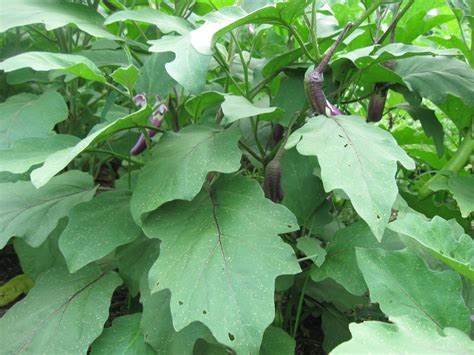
395 22
116 155
456 163
250 151
300 305
300 41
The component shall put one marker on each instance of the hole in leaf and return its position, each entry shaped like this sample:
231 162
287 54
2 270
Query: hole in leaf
378 217
345 145
231 336
340 135
289 225
204 312
180 303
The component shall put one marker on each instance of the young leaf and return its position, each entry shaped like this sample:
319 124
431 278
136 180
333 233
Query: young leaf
236 107
446 240
32 214
180 163
60 159
311 247
96 228
403 285
358 158
75 312
340 262
462 188
27 115
406 336
26 152
53 14
153 78
214 251
126 77
44 61
123 337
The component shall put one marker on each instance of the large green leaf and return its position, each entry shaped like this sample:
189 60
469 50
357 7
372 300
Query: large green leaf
441 80
45 61
96 228
179 165
53 14
277 342
26 152
214 251
462 188
62 314
340 263
446 240
124 337
32 214
60 159
358 158
27 115
406 336
403 285
166 23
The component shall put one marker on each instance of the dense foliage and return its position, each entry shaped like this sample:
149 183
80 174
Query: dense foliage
250 177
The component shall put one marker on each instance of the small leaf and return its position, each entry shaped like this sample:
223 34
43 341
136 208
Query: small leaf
126 77
403 285
153 78
180 163
236 107
311 247
32 214
358 158
44 61
62 314
27 115
60 159
224 240
123 337
277 342
96 228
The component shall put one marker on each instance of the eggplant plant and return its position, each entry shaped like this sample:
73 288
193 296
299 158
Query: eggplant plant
236 177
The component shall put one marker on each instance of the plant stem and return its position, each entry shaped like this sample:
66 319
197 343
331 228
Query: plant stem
300 304
300 42
250 151
314 29
116 155
330 52
394 23
456 163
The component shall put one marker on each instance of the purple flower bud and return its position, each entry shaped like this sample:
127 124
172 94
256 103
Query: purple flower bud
140 100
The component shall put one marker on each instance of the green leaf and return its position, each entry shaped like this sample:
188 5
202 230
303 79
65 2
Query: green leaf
135 259
179 165
335 328
44 61
126 77
462 188
26 152
406 336
153 78
35 261
123 337
53 14
290 97
366 56
446 240
440 79
161 335
303 192
32 214
27 115
189 67
403 285
166 23
277 342
358 158
62 314
96 228
226 240
340 263
311 247
236 107
60 159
